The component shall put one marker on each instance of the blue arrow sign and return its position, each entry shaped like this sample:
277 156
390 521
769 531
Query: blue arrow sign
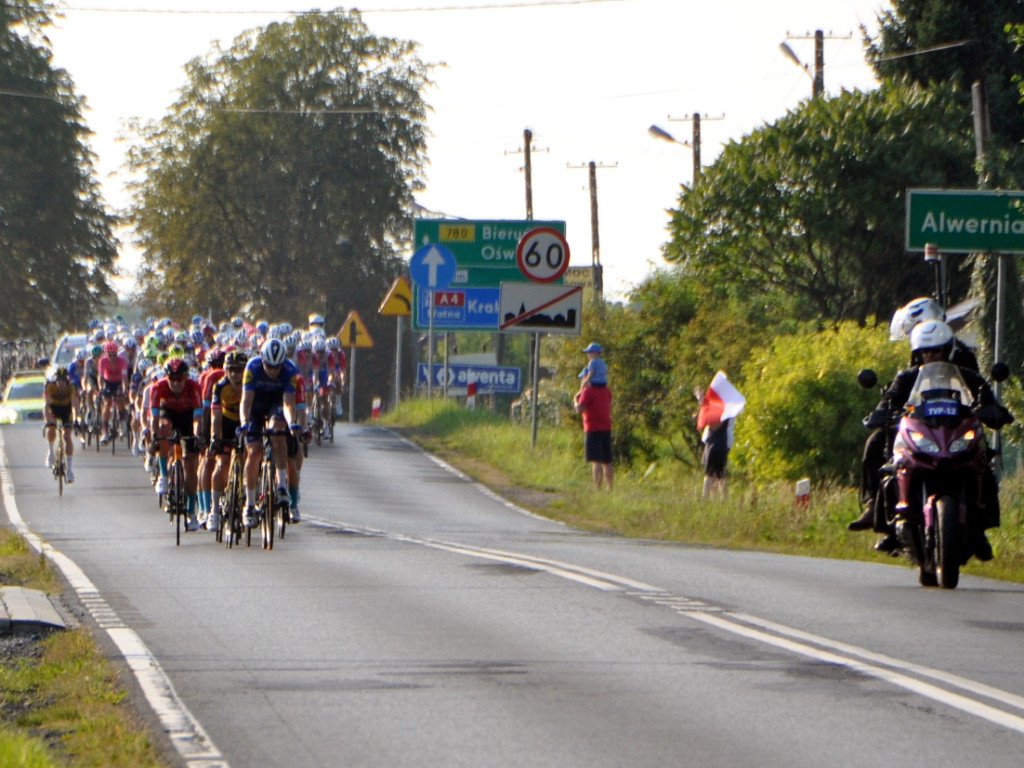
432 267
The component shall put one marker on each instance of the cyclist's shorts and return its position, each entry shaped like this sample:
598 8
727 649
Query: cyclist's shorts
61 413
181 421
228 441
321 378
112 388
258 417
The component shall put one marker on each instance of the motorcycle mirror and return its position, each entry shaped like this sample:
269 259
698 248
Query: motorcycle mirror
1000 371
867 378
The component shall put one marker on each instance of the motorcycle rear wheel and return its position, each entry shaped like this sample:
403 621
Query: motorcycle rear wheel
947 554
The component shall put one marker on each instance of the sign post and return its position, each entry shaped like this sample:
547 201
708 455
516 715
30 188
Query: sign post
397 302
432 267
543 256
354 332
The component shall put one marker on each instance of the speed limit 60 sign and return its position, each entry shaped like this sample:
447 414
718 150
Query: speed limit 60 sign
543 254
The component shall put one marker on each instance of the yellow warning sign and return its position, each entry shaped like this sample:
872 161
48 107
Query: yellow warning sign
353 332
398 302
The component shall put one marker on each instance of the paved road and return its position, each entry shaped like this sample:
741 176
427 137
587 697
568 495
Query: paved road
415 620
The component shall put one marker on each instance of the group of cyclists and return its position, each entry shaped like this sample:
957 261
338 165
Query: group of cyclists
211 389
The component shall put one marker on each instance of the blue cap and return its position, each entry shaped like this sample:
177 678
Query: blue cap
593 347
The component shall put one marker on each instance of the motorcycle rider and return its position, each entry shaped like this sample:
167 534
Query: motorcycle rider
876 446
933 341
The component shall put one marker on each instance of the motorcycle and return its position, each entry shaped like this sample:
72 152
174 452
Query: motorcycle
935 485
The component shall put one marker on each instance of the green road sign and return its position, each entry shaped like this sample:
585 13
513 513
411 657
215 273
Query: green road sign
485 251
965 220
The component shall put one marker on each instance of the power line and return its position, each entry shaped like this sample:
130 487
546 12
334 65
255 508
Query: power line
364 12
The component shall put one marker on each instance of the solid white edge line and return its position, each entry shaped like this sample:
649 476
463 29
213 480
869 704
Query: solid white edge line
192 743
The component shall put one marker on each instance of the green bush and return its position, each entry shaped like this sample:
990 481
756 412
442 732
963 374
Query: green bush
804 406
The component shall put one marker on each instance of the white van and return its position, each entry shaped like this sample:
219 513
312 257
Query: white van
65 348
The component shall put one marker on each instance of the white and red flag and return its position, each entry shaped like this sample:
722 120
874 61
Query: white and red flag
721 401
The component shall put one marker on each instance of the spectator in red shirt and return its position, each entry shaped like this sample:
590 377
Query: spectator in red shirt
594 402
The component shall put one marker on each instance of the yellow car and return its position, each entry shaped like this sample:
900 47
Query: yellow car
23 398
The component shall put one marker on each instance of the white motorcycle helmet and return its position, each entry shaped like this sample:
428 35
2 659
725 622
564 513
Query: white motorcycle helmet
918 311
931 334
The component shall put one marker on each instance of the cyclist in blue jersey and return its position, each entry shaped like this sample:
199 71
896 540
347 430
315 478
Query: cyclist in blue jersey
268 401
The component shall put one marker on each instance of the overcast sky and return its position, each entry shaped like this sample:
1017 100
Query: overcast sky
587 77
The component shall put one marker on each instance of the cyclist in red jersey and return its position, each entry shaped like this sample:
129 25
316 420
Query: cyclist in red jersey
177 406
213 373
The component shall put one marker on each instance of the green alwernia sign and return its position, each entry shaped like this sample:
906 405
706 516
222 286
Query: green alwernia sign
965 220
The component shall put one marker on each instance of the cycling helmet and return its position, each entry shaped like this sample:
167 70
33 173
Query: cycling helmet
236 359
61 372
129 342
319 346
197 320
176 368
215 357
285 328
931 334
316 319
81 353
917 311
96 350
304 345
176 350
333 343
273 352
237 322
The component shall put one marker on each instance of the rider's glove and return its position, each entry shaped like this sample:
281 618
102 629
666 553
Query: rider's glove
994 416
241 431
877 418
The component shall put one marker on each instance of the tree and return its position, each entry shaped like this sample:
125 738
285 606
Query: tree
989 54
281 180
808 214
55 233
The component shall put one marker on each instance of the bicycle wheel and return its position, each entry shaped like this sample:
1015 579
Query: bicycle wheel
265 497
315 421
177 494
234 498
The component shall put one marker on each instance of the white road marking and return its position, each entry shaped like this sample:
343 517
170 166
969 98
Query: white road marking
891 670
189 739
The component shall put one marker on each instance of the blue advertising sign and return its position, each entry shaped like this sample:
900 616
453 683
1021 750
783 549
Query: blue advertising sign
490 379
459 308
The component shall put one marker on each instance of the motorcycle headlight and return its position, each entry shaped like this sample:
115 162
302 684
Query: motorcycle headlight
962 443
923 443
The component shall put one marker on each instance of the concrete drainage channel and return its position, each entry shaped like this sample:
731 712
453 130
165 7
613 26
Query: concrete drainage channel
27 612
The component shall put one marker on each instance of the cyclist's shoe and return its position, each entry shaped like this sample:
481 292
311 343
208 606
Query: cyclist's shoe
148 463
161 484
49 461
250 517
69 476
192 522
294 516
136 449
326 432
105 439
213 521
282 496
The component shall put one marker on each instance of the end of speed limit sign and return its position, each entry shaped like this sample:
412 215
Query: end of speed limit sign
543 254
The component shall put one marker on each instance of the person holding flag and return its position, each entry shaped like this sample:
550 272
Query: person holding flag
720 403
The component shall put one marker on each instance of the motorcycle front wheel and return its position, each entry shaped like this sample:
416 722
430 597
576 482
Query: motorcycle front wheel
947 545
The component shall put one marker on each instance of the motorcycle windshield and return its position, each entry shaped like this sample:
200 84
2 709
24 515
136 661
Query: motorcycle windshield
939 383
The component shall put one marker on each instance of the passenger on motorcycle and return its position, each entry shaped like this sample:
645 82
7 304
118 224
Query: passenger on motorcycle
933 341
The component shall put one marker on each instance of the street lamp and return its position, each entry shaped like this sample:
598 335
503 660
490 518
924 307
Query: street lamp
818 76
661 133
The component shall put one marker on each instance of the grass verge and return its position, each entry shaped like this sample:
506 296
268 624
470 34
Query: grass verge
61 701
662 500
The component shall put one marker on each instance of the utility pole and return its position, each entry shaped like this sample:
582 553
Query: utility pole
819 38
696 118
595 240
